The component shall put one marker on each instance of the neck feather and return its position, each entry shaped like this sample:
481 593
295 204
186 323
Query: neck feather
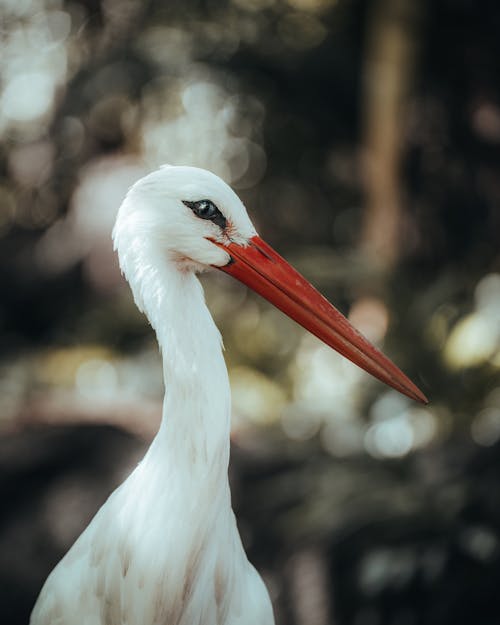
194 434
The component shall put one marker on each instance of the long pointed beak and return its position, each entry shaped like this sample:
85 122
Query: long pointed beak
259 267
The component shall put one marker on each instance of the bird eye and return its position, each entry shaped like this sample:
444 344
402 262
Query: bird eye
206 209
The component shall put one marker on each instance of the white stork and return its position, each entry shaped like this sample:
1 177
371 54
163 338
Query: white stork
164 549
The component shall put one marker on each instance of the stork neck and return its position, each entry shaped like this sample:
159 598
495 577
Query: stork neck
194 433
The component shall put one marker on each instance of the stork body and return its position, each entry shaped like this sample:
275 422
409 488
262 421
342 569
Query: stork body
164 549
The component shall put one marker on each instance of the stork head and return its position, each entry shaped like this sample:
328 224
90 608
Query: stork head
197 220
183 211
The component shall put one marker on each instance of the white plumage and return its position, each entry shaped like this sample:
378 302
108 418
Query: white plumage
164 549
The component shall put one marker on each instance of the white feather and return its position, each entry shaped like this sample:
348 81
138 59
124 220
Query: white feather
164 549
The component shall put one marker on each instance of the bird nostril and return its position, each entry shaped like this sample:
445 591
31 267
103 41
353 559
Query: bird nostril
263 252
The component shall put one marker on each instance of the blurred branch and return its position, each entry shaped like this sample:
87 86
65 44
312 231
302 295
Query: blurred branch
141 418
388 75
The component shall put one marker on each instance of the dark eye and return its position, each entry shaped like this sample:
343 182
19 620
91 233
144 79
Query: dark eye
206 209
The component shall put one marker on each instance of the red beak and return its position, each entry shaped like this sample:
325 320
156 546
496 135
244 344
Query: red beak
259 267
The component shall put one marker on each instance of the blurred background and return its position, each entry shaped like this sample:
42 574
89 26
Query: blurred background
364 138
